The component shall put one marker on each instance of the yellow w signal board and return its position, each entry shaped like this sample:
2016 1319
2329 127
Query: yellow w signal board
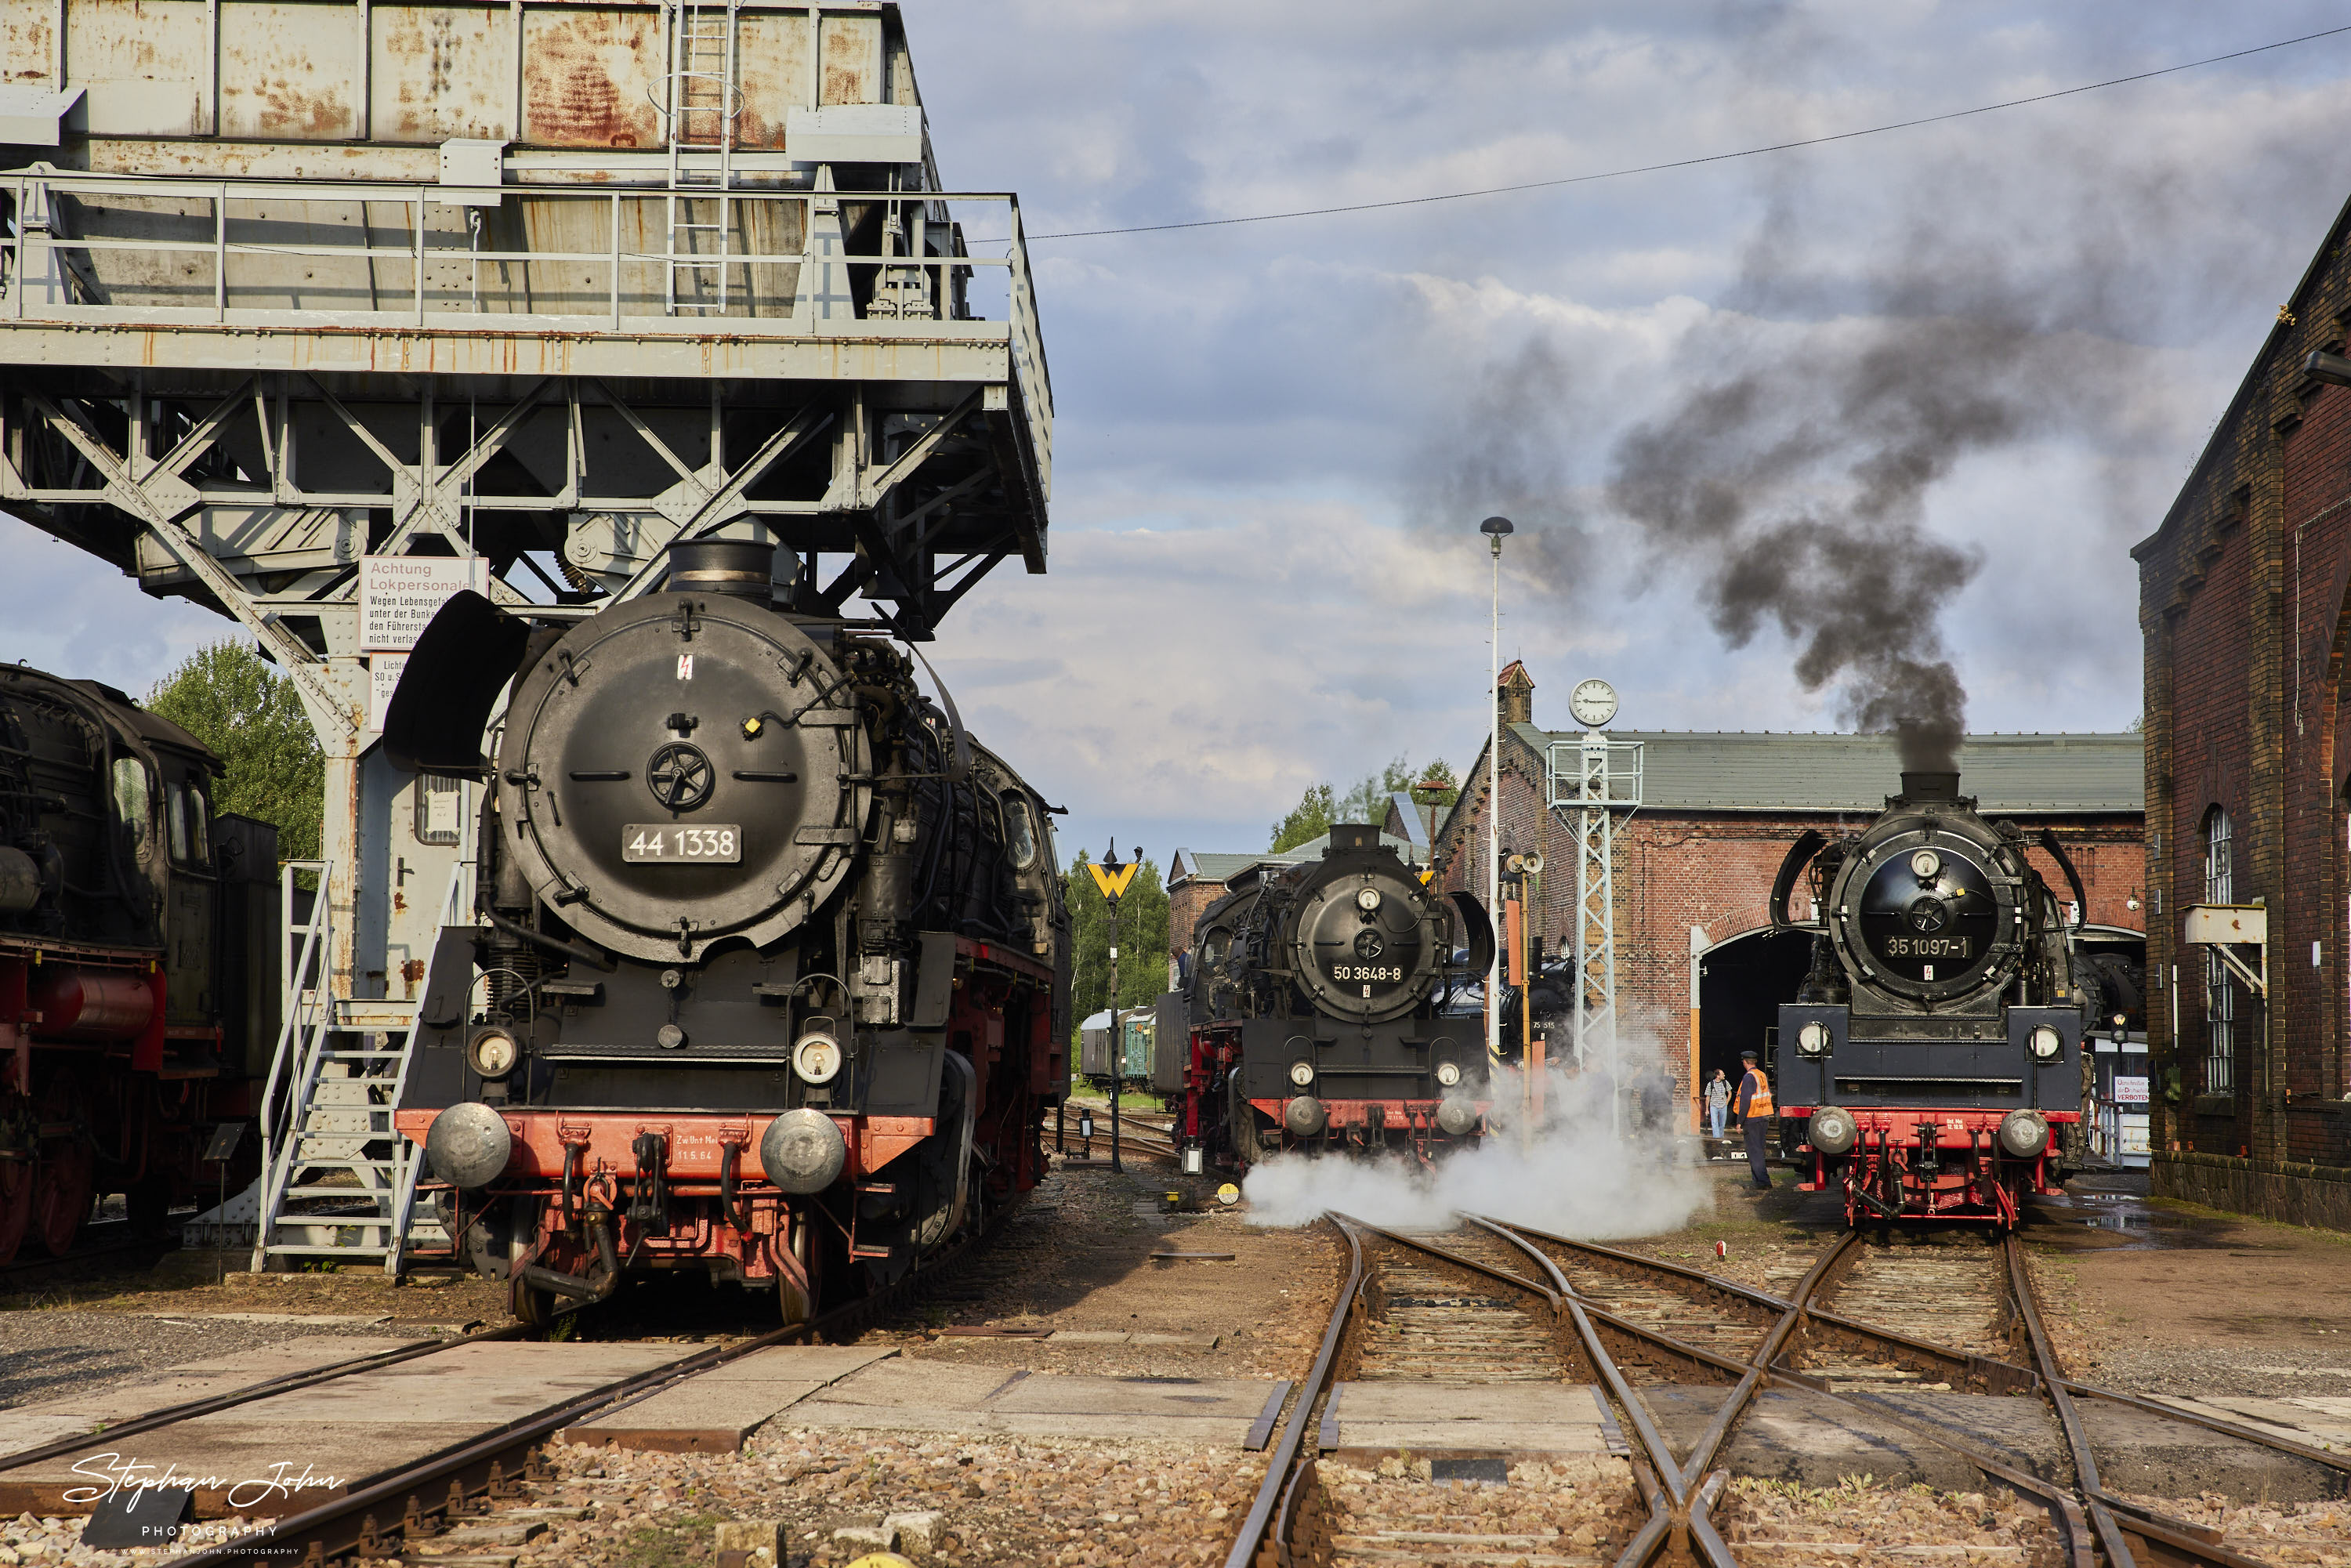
1112 883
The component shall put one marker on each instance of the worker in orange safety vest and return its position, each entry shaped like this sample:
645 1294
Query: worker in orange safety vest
1755 1109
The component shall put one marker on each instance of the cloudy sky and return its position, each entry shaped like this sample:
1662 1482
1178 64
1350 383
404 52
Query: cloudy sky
1812 416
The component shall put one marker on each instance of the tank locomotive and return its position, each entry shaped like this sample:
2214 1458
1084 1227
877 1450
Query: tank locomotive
1931 1067
137 960
767 974
1312 1020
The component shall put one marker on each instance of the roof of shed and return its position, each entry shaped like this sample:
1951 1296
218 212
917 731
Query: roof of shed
2010 774
1209 866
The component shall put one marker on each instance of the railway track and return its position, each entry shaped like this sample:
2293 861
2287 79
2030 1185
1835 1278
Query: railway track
1495 1303
469 1495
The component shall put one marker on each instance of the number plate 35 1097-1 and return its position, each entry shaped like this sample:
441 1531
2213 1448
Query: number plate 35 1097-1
719 843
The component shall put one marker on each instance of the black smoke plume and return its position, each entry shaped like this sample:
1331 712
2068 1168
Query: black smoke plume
1796 487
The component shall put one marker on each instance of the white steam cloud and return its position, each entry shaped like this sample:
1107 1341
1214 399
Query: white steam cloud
1573 1171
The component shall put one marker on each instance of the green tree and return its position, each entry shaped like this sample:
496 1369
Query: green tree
1368 802
1307 821
1142 939
229 699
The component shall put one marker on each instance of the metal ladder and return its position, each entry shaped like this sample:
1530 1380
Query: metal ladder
699 123
338 1181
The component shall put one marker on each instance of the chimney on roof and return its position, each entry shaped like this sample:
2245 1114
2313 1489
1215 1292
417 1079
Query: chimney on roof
1515 694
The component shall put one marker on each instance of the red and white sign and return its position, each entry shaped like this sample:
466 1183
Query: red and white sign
399 594
2130 1090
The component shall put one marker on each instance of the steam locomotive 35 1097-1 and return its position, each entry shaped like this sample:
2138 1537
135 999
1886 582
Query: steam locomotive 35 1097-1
1312 1020
1932 1061
768 969
137 960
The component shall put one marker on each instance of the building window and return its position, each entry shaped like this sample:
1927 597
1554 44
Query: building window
2219 989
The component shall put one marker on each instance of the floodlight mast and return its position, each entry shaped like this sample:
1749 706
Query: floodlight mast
1495 529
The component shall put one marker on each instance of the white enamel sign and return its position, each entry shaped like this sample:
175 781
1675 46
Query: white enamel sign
399 594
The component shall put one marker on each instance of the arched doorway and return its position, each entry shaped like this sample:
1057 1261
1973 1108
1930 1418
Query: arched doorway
1741 982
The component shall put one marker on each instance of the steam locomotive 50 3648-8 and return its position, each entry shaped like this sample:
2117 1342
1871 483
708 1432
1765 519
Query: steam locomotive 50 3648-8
1932 1061
1312 1016
769 971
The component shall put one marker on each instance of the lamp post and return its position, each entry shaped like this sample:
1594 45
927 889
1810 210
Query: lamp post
1495 529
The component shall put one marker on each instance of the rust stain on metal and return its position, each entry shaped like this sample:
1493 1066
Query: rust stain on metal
586 77
25 44
437 72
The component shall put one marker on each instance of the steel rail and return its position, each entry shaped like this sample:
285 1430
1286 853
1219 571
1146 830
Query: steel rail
285 1383
1657 1475
1693 1503
2177 1540
1759 1368
1270 1492
1998 1375
2085 1463
1989 1373
480 1465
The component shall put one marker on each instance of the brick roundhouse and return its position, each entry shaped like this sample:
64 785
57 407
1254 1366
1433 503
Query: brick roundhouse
2245 610
1694 865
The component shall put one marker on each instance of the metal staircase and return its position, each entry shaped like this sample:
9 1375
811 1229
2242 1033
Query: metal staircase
338 1183
698 122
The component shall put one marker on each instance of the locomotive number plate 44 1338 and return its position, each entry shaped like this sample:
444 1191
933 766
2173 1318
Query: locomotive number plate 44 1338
718 843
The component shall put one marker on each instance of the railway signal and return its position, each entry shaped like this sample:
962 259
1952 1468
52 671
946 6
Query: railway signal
1112 875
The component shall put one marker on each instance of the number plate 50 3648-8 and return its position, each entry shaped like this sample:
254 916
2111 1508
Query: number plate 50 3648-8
711 844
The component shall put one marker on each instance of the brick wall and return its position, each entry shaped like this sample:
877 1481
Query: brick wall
2243 609
1713 869
1185 901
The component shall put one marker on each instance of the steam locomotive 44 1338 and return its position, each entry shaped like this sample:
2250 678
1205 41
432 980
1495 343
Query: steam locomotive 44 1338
1932 1061
1313 1018
769 972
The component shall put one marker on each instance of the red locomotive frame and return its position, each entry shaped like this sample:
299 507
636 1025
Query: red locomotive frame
1972 1179
1214 1053
89 1079
586 1169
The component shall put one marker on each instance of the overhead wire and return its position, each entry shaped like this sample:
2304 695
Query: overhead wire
1693 161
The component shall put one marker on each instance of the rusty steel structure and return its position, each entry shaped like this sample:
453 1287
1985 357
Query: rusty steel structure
547 286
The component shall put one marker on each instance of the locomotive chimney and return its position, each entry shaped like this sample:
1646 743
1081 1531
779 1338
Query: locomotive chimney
1918 787
743 568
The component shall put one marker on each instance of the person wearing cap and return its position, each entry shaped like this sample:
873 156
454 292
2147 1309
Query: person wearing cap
1755 1108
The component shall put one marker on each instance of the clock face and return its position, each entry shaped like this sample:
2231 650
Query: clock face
1593 703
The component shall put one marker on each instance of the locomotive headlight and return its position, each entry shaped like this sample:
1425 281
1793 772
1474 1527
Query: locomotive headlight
1812 1039
2046 1042
816 1057
1925 864
1367 899
1302 1074
493 1054
1449 1073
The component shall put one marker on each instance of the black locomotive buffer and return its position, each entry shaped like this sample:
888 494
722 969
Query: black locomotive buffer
769 971
1314 1015
1931 1064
